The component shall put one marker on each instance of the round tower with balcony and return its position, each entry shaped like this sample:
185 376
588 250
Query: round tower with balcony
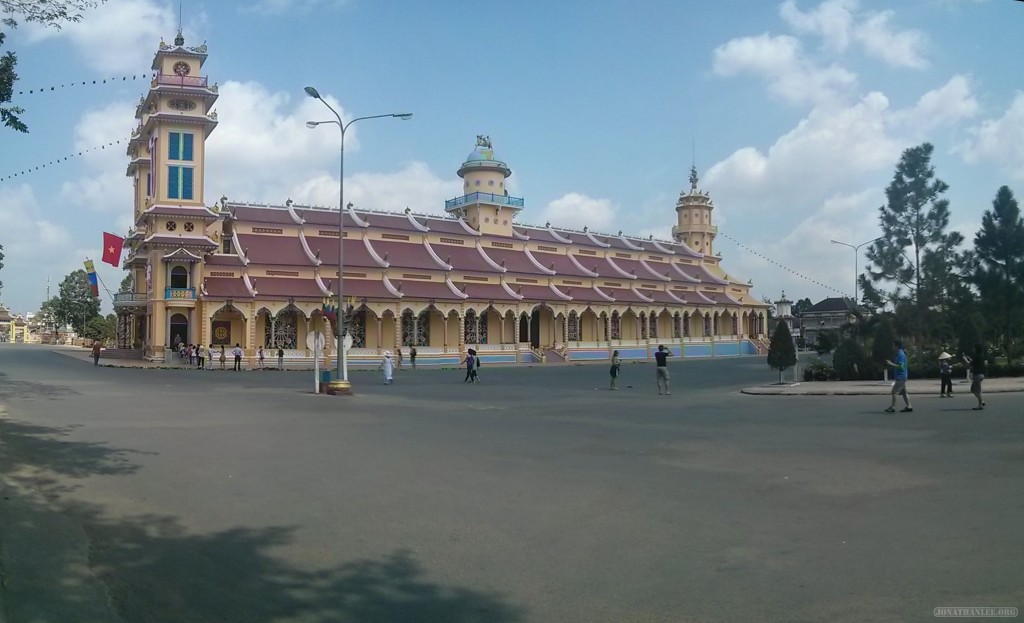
485 203
693 214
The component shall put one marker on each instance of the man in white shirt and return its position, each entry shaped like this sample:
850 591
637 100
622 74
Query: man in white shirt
237 352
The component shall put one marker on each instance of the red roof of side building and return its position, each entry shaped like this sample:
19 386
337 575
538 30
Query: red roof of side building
561 264
355 251
366 288
623 295
463 258
404 254
485 291
260 214
513 261
224 259
437 290
277 250
283 287
537 293
225 287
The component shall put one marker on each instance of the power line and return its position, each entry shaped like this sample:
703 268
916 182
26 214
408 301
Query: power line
782 266
62 159
76 83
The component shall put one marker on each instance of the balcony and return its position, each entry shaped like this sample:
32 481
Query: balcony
491 198
180 81
179 294
130 298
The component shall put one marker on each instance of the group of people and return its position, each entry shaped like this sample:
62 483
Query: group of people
202 357
900 370
661 374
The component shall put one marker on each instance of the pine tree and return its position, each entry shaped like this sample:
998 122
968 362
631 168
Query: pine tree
781 352
998 268
914 220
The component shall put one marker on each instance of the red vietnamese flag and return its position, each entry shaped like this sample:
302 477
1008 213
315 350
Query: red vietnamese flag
112 249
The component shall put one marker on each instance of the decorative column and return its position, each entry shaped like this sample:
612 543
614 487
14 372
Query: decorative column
462 331
380 322
397 341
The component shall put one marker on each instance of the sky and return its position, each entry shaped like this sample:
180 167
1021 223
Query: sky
794 113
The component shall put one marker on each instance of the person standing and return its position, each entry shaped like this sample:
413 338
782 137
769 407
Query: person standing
237 352
200 357
470 362
388 366
661 359
412 357
614 371
978 369
223 358
211 352
96 352
280 359
399 358
899 375
260 354
945 376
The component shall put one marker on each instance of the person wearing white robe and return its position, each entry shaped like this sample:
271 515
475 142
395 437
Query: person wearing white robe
388 366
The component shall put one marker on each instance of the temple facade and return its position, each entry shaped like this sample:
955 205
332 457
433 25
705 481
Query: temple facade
263 276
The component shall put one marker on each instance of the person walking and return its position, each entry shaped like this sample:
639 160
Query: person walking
945 376
977 364
237 352
899 375
223 358
614 371
211 352
260 354
412 357
661 360
470 362
96 352
388 366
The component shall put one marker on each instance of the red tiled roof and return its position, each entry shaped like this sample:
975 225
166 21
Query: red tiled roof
485 291
623 295
170 240
515 261
696 271
541 234
278 250
536 293
366 288
446 226
198 212
721 298
355 251
403 254
286 287
561 264
225 287
463 258
438 290
224 259
260 214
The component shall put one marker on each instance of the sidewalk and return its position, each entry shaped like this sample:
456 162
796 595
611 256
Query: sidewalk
961 388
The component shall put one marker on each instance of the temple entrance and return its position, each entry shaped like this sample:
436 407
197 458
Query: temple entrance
535 328
179 330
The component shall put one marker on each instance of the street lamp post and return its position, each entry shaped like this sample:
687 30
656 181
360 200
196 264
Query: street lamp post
341 384
856 256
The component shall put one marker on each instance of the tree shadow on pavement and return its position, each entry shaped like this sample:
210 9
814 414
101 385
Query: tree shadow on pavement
67 560
10 388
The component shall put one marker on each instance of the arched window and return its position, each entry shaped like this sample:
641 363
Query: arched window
573 329
179 277
686 324
707 325
470 334
408 328
654 326
735 325
643 326
616 334
677 326
281 330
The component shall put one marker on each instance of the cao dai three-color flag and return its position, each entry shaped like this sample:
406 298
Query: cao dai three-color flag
94 284
112 245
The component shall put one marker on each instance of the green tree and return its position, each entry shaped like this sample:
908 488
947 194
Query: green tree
881 342
126 284
801 306
781 352
100 328
998 269
824 342
849 360
76 304
50 13
914 219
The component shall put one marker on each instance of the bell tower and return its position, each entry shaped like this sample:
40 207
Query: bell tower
693 218
485 204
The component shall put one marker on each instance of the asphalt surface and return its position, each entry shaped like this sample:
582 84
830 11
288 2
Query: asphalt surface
537 495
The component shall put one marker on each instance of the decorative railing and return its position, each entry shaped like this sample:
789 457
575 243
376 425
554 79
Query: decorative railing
181 81
180 294
130 297
471 198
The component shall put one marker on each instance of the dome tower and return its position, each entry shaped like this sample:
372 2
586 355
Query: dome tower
485 203
693 214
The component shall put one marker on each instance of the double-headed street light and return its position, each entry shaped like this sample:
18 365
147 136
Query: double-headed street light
341 385
856 256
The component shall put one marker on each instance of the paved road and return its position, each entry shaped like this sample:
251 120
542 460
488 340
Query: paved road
178 495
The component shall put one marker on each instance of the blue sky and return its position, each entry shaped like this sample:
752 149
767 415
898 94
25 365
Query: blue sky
795 114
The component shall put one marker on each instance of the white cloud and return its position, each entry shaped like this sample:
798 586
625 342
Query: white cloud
106 188
279 7
905 48
833 21
999 141
33 244
949 103
117 36
576 210
780 61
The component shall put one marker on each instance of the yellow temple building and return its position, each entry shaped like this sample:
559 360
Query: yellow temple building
260 276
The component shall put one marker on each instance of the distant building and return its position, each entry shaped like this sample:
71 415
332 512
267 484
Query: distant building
828 315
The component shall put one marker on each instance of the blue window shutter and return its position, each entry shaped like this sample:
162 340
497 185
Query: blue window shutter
186 182
186 147
172 182
174 146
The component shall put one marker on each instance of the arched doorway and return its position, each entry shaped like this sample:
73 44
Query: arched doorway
524 328
179 329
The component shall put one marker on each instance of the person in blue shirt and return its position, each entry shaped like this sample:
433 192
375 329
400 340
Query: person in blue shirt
899 386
